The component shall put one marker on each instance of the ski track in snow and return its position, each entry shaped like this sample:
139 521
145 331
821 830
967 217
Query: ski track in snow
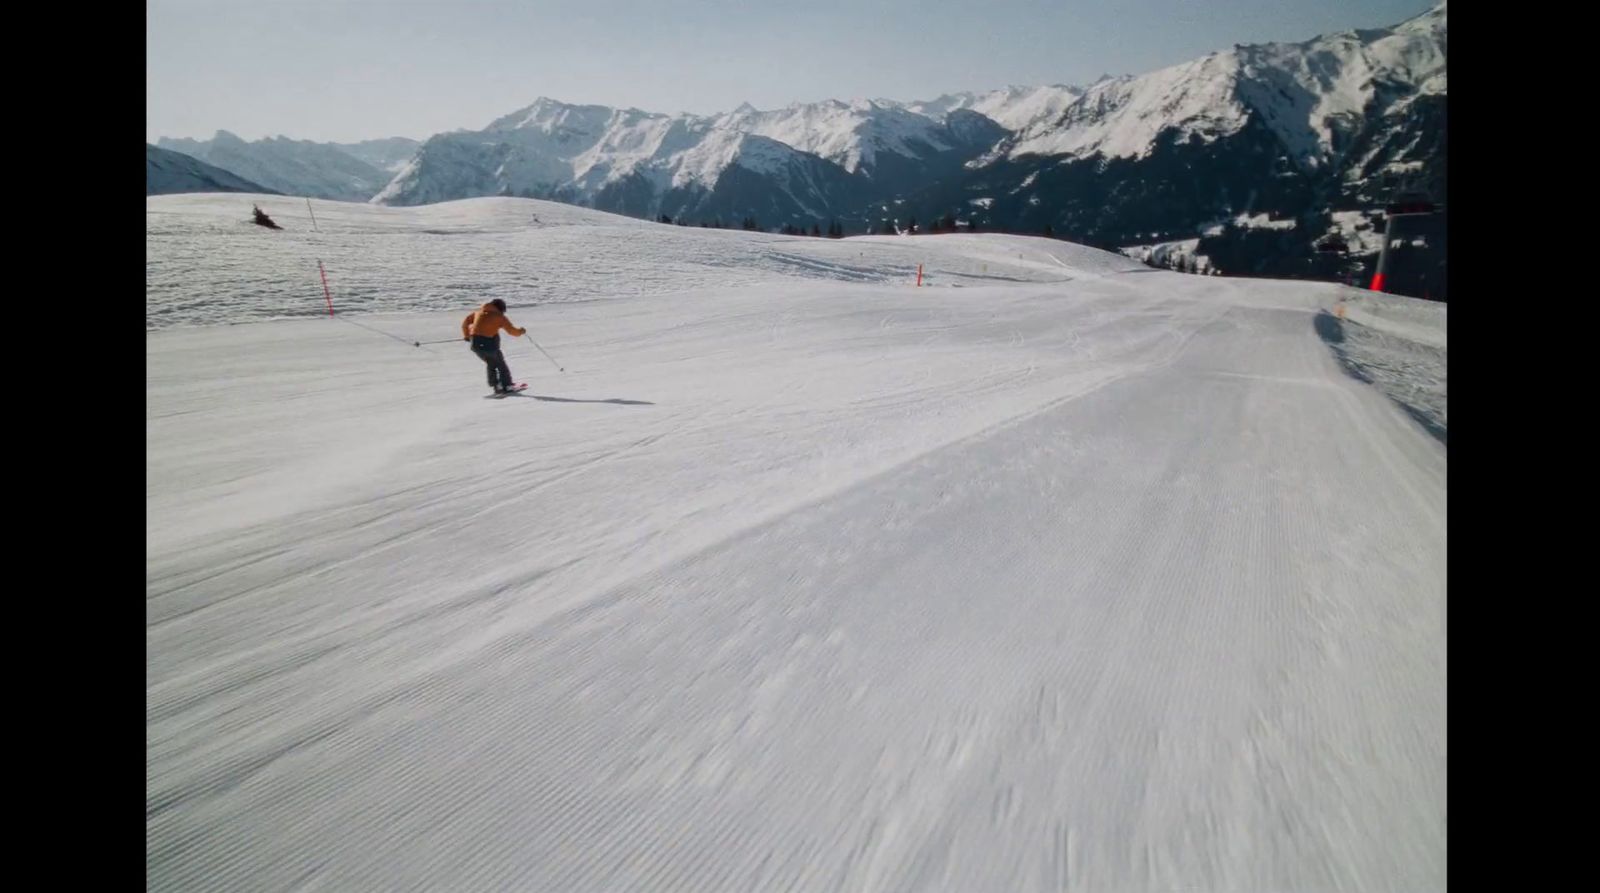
800 579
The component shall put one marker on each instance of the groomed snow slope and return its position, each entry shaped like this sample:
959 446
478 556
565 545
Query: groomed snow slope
206 263
1082 576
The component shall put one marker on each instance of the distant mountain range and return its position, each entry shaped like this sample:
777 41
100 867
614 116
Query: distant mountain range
1258 150
167 172
346 172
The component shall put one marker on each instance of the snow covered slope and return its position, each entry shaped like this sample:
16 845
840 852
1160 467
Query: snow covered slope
525 251
1397 344
167 172
1079 576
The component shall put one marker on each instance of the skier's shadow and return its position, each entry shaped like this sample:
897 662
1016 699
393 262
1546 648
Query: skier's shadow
615 400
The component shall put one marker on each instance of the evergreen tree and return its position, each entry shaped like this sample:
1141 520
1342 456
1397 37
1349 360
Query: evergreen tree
1049 231
816 229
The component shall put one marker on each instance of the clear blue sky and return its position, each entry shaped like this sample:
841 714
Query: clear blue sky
346 70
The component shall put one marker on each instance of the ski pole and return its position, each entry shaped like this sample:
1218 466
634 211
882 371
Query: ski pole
442 341
546 353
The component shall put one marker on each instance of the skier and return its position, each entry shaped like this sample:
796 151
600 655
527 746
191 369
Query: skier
261 218
482 328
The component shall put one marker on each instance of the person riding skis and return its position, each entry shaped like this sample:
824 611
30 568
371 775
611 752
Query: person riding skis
482 328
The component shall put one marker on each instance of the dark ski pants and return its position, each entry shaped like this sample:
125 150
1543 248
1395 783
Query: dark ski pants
488 350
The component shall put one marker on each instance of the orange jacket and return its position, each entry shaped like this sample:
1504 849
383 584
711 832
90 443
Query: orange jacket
488 322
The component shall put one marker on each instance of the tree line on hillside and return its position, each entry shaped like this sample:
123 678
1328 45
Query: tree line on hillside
881 226
835 229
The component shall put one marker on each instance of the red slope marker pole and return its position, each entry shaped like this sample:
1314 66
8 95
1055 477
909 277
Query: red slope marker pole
325 293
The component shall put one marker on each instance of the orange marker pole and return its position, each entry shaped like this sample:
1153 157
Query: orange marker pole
325 293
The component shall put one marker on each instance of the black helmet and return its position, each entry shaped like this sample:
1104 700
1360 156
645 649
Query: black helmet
499 304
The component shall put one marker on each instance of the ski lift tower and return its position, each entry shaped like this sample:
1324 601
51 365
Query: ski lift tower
1412 260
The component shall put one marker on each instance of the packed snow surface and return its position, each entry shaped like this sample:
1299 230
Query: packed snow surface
1080 575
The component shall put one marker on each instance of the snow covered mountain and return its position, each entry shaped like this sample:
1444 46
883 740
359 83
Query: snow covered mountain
886 146
800 163
854 135
166 172
628 160
389 154
1292 131
293 167
622 160
1014 108
726 175
1313 96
